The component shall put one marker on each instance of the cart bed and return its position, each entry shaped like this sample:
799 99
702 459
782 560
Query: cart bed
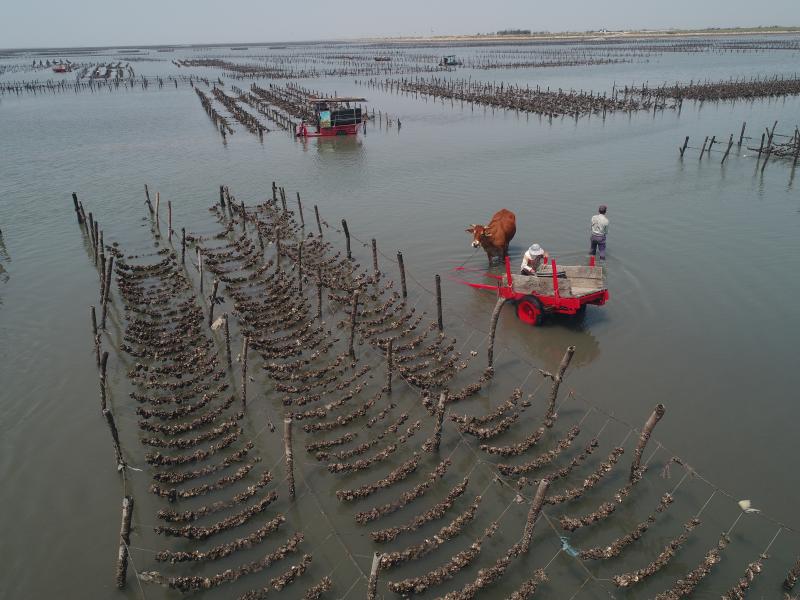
578 281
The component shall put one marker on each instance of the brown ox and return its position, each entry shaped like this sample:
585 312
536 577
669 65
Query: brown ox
496 235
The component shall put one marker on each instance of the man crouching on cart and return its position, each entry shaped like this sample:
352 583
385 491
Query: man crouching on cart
533 259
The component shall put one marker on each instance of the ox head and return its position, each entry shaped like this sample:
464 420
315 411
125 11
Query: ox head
479 233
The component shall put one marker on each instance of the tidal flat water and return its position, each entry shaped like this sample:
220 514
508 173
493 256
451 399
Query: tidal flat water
703 263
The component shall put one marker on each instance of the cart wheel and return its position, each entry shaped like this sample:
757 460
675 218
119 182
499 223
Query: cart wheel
529 311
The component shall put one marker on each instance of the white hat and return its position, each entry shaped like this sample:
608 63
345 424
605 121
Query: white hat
535 250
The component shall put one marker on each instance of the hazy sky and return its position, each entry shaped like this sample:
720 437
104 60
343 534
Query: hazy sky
36 23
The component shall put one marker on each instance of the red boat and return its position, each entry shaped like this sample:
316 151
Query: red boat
333 116
565 290
60 69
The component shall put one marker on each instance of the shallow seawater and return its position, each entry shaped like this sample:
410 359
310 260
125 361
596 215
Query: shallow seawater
703 263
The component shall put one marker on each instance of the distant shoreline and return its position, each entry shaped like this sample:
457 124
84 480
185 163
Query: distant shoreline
577 36
584 36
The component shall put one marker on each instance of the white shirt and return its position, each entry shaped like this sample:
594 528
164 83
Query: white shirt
528 256
599 225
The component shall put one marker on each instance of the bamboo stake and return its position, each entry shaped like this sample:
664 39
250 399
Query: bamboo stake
703 149
200 267
300 266
353 313
124 541
77 208
685 143
95 336
319 223
103 365
389 365
533 514
158 208
437 430
557 379
741 135
347 238
730 144
147 199
169 220
372 583
319 294
213 302
644 437
375 258
245 348
107 293
439 303
183 245
493 327
222 196
115 437
300 210
402 274
288 455
227 339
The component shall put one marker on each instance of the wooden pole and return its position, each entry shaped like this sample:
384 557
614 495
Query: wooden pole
402 274
107 292
389 365
96 240
300 266
245 348
102 276
147 199
283 199
103 365
95 336
227 339
760 148
730 144
439 303
644 437
557 379
91 227
498 307
169 220
183 245
437 431
200 267
158 208
347 238
77 208
533 514
288 455
319 294
274 192
222 196
375 258
319 223
115 437
124 541
300 210
353 313
741 135
703 149
372 583
213 302
685 143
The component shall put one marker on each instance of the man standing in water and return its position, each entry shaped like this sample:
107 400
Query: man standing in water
599 232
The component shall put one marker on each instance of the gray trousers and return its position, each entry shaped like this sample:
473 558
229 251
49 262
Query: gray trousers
598 242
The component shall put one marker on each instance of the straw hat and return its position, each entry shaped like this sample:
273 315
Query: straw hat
535 250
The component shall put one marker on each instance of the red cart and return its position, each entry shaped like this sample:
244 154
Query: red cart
558 289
